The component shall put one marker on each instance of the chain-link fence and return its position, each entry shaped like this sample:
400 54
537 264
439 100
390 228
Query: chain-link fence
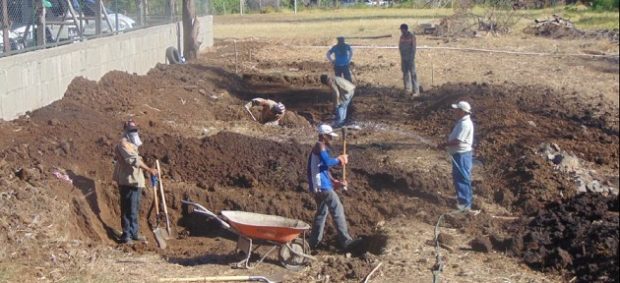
33 24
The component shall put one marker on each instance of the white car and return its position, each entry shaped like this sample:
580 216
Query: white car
13 40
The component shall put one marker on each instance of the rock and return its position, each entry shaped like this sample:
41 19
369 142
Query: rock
445 239
53 122
564 258
65 146
557 159
481 244
202 91
531 123
202 184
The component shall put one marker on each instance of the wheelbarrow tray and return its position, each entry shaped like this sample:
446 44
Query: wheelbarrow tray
265 227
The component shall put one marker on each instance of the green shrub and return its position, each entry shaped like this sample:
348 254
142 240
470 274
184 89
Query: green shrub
605 4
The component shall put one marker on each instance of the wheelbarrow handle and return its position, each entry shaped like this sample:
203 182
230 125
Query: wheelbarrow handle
202 210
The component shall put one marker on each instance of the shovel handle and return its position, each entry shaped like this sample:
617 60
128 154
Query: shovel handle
344 152
163 197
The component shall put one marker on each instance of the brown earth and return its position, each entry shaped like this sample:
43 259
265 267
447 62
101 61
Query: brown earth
211 152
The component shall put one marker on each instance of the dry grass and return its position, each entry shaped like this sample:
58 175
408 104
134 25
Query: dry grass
321 24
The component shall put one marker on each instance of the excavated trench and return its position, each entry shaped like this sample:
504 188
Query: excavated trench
239 171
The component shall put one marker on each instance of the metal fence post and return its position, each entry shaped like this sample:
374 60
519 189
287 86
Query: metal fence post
98 17
116 15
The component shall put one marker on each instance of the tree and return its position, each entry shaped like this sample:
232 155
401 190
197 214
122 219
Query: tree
191 28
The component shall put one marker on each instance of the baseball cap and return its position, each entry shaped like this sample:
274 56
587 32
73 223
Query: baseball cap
463 105
326 130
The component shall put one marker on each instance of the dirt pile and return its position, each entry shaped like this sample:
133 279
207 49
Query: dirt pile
512 121
580 236
559 27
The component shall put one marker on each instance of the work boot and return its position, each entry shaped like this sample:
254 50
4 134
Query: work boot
351 244
127 241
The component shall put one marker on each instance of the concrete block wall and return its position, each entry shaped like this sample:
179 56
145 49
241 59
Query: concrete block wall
32 80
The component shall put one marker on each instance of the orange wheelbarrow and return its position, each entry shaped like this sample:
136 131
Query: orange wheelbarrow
255 230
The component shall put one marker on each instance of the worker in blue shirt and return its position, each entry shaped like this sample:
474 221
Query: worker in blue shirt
322 185
341 58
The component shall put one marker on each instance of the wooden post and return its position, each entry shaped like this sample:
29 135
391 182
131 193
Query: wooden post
98 17
5 26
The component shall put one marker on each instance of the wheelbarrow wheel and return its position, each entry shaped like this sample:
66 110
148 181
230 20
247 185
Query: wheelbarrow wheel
289 259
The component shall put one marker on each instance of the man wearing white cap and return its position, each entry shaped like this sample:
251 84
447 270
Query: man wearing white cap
459 146
322 185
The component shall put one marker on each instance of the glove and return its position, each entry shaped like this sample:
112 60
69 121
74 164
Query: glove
154 181
344 159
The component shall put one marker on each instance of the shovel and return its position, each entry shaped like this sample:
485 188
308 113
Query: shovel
163 199
160 234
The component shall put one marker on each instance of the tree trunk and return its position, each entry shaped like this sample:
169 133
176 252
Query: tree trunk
40 22
190 30
5 26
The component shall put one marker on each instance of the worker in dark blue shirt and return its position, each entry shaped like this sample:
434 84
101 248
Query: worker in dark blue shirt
341 58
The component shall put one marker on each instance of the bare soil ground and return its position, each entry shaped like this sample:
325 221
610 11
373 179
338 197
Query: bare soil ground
535 226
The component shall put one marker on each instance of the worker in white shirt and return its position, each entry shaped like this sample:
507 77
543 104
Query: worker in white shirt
459 146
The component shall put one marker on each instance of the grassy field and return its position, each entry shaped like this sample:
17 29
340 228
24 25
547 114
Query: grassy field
313 24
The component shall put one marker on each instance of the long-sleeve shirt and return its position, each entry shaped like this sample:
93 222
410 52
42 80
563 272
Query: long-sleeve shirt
318 170
342 53
127 171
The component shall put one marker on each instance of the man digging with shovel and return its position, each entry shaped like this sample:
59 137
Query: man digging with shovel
271 111
322 185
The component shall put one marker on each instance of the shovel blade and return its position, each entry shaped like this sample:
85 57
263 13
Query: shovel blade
160 237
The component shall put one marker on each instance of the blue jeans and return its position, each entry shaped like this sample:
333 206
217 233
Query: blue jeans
343 71
410 78
130 208
461 175
341 110
328 201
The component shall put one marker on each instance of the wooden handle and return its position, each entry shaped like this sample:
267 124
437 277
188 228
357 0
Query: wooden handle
163 196
344 152
156 199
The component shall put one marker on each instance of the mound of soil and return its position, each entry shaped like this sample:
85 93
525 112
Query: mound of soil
511 122
558 27
580 236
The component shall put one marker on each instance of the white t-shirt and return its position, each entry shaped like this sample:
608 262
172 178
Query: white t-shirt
464 132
